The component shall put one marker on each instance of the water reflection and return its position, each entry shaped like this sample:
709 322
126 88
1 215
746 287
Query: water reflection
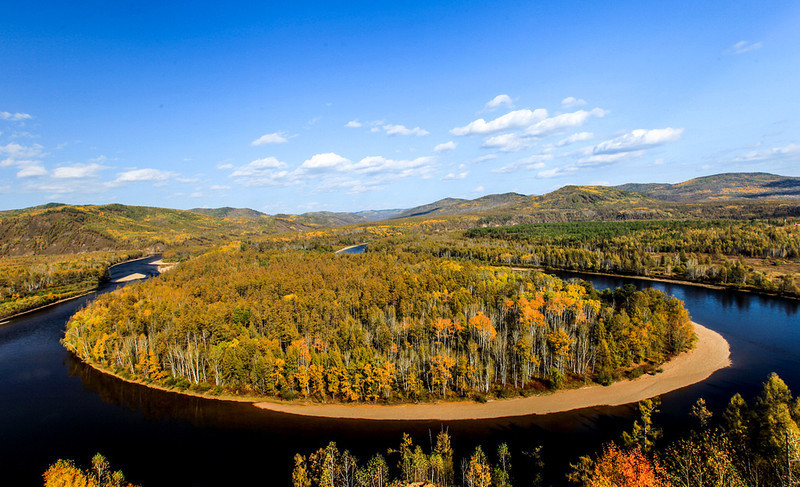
54 406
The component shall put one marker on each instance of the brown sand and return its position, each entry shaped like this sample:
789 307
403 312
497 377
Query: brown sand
163 266
130 277
711 353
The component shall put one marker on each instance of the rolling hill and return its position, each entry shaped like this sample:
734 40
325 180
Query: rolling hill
718 187
57 228
457 206
62 229
228 212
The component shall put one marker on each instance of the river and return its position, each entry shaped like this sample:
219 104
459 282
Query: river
52 406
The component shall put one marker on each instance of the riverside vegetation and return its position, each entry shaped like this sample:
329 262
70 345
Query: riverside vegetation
736 237
754 445
746 444
33 281
761 255
381 326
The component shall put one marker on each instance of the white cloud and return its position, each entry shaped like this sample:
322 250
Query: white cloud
639 139
353 124
556 172
498 101
77 171
536 161
218 187
788 151
348 185
445 146
16 153
560 122
403 130
257 167
576 137
453 176
511 120
31 170
572 102
484 158
479 189
261 172
225 167
743 46
14 117
608 159
273 138
512 142
143 176
378 164
323 162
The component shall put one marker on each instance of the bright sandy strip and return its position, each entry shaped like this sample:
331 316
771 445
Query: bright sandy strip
163 266
711 353
130 277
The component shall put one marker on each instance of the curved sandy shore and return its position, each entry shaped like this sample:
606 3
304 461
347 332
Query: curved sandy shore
711 353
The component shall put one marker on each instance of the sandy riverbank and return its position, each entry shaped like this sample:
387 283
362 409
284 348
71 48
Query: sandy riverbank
710 354
162 267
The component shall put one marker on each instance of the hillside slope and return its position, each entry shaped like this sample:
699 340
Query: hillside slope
726 186
458 206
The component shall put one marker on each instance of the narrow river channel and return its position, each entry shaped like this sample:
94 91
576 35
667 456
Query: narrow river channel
52 406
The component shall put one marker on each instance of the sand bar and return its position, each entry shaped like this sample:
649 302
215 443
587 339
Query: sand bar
131 277
711 353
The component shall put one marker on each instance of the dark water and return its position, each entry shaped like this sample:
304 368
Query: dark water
358 249
51 406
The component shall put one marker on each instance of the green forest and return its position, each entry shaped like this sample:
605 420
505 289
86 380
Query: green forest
381 326
760 255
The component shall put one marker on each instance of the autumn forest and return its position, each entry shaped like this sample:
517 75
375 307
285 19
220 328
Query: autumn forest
372 327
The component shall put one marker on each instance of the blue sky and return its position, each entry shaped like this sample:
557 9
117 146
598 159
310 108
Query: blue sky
301 106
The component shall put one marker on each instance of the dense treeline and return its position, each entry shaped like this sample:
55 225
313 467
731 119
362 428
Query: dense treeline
776 239
705 252
376 326
64 473
30 282
331 467
751 445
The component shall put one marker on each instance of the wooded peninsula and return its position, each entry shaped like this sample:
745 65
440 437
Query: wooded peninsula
379 326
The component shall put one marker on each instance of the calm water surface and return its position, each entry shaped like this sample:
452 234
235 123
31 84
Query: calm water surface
52 406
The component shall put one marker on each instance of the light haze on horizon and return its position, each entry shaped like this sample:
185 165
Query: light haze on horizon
307 106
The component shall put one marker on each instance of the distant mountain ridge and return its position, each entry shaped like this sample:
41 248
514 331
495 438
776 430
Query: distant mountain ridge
228 212
726 186
456 206
58 228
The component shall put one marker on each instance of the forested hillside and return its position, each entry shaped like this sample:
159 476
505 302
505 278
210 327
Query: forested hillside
757 185
760 255
33 281
380 326
62 229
